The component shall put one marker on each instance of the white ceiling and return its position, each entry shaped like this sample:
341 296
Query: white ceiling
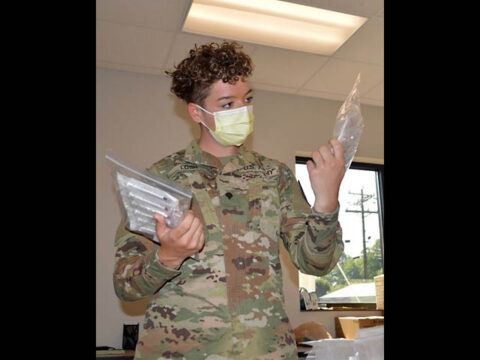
145 36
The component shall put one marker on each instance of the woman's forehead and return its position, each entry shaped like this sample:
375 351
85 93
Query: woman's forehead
220 90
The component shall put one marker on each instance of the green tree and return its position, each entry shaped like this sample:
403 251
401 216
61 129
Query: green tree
353 269
322 286
335 277
374 260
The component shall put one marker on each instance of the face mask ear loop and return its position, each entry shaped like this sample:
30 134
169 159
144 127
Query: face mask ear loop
208 112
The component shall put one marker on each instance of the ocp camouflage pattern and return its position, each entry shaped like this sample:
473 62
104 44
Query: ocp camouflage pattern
229 303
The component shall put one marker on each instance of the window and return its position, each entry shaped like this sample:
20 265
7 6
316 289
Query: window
351 282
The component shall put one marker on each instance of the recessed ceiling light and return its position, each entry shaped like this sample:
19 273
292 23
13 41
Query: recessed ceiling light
273 23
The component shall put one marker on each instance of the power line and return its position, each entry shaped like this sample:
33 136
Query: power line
363 199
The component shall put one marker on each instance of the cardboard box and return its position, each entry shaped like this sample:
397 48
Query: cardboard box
379 291
347 326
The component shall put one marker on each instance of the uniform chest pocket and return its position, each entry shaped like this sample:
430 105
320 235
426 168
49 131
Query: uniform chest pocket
264 207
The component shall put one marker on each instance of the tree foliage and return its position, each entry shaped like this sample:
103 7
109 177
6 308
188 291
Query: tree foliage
353 269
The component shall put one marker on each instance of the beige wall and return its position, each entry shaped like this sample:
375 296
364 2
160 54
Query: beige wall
141 122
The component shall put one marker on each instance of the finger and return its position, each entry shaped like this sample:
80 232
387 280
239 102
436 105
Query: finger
189 236
185 225
337 148
159 218
317 158
160 221
330 147
160 226
199 237
326 153
196 224
310 166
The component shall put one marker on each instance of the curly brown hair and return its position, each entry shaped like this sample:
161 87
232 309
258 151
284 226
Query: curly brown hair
193 76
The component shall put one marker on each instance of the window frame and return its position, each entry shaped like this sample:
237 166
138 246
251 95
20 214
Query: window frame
379 169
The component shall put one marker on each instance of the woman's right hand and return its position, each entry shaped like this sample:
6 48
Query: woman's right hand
179 243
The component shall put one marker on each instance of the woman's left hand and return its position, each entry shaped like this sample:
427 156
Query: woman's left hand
326 172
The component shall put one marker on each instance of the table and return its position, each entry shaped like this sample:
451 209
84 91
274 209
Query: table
127 355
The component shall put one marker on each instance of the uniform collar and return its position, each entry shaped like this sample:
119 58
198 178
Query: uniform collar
243 158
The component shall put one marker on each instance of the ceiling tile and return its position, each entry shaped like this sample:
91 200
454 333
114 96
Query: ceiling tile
267 87
287 68
158 14
323 95
184 42
366 44
131 68
319 94
145 36
376 93
373 102
337 76
365 8
131 45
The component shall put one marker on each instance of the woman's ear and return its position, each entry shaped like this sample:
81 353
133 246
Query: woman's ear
195 113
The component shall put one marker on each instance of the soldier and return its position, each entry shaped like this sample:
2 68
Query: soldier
227 301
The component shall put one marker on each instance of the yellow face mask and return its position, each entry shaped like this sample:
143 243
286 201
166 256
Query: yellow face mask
232 127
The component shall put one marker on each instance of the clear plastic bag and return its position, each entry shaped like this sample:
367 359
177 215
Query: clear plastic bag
142 194
369 343
349 124
330 349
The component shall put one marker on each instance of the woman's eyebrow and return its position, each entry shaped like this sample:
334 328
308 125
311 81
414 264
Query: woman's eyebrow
229 97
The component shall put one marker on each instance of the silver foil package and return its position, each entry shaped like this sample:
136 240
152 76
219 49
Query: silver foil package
143 194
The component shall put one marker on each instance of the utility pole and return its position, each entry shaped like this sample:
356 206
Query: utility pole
363 199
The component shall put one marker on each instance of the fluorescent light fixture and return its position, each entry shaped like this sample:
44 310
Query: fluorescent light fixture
273 23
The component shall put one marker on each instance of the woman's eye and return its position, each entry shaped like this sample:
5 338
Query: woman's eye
249 99
227 106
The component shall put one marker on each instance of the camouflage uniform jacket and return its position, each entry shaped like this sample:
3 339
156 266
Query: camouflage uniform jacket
228 304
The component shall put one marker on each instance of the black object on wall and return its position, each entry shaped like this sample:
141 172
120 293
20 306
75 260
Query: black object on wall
130 336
